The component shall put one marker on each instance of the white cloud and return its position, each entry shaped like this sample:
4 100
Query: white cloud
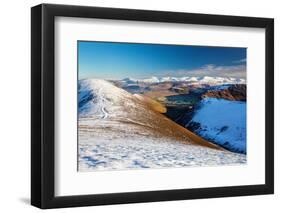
236 71
243 60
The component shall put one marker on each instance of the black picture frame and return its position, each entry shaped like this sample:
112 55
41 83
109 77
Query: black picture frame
43 102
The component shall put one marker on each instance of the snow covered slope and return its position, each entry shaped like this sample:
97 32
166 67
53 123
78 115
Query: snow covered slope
118 130
223 122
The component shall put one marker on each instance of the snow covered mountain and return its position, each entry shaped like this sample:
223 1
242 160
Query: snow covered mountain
222 121
118 130
194 80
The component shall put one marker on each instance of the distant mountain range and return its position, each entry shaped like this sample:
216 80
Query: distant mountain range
195 80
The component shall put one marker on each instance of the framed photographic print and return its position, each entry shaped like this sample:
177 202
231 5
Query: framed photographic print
139 106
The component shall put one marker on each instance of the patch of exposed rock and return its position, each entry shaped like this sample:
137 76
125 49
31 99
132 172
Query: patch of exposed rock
236 92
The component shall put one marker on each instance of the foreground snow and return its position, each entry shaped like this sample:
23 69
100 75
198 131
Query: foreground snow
118 130
222 121
142 152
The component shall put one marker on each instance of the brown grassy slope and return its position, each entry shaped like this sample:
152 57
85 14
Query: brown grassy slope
154 105
169 127
157 94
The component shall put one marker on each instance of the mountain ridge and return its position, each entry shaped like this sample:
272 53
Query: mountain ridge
112 104
118 130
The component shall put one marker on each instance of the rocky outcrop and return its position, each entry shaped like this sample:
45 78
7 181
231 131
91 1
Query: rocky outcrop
236 92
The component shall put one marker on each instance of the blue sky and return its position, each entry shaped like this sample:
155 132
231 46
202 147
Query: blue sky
109 60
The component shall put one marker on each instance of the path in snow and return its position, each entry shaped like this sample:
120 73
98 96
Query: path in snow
102 105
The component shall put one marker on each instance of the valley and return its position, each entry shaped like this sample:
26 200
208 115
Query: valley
185 98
